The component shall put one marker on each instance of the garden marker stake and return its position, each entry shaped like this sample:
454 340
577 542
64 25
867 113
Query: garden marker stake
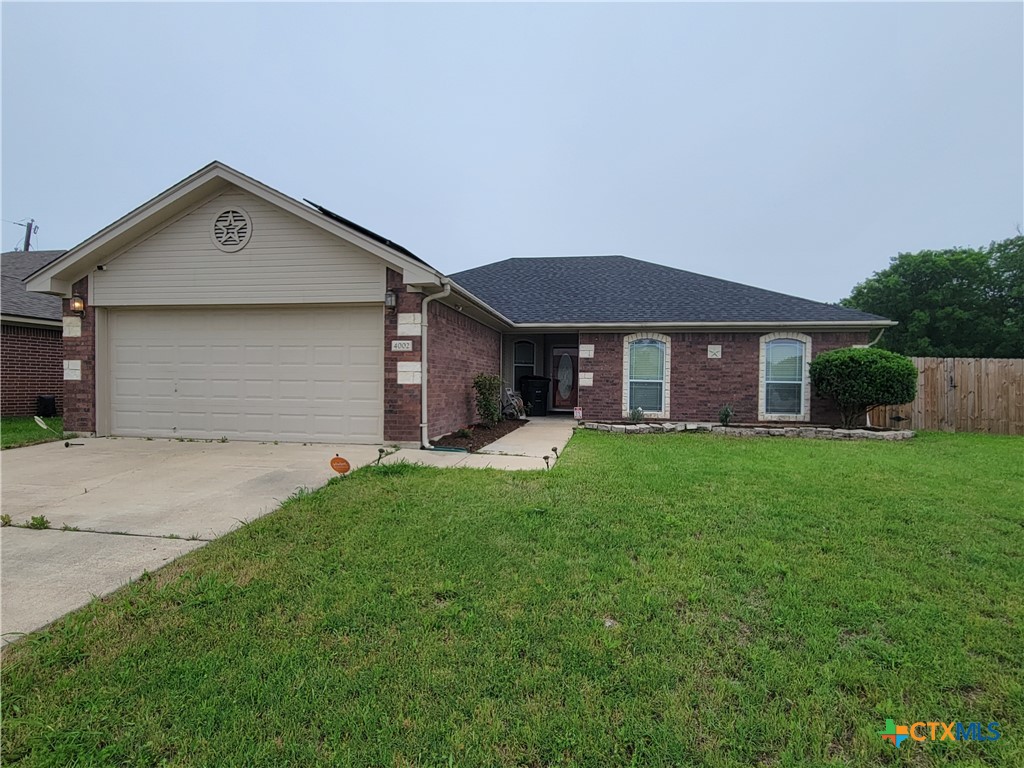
45 426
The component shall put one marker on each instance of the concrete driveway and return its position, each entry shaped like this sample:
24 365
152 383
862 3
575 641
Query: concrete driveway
152 489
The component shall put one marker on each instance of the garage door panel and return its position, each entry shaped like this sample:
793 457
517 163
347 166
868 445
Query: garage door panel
260 374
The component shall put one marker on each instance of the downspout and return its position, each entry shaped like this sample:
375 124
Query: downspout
446 284
867 416
878 337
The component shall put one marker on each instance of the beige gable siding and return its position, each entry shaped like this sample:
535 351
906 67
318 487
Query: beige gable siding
286 261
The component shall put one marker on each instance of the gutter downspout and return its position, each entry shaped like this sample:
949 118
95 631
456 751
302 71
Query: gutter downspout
446 284
878 338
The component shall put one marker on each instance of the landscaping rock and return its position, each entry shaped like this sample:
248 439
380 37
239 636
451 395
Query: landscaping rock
618 428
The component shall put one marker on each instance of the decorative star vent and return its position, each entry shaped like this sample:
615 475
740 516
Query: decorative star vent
231 230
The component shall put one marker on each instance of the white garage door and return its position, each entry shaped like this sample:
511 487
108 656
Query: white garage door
293 374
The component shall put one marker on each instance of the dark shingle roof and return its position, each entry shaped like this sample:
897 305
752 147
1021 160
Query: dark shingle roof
614 289
15 266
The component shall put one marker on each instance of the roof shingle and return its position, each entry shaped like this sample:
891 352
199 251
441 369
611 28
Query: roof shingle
15 301
614 289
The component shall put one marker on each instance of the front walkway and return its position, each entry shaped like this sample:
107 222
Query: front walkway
525 448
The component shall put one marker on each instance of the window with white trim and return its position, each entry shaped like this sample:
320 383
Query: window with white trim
524 361
785 390
646 369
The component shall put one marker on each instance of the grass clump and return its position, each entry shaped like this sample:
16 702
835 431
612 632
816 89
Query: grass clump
19 431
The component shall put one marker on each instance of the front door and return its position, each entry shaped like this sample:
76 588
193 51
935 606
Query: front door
563 374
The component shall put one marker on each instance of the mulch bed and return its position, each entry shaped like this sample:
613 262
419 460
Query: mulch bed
479 436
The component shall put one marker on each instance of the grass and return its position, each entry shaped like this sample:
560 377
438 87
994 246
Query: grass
654 600
17 431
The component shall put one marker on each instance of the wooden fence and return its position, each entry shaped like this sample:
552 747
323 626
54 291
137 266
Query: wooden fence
962 394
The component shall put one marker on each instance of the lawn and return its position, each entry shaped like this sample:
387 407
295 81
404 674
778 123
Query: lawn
16 431
654 600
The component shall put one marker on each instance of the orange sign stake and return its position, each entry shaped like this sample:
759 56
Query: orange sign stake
340 465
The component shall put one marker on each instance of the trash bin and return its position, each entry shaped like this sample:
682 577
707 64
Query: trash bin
46 405
535 394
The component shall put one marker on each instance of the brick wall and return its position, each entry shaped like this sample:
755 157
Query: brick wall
460 348
401 401
31 364
700 386
80 396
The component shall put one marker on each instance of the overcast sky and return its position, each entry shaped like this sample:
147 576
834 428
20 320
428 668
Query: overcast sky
794 147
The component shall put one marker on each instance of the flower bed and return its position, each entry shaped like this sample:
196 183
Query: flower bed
809 432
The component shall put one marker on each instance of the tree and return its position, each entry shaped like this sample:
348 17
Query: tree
960 302
861 378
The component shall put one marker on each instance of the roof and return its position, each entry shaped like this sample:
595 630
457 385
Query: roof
364 231
202 185
16 300
617 289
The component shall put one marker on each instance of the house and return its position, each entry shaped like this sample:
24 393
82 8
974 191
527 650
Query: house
223 308
30 336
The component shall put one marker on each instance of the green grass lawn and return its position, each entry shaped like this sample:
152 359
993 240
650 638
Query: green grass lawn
16 431
654 600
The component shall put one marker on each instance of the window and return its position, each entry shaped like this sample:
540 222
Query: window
523 361
784 393
646 374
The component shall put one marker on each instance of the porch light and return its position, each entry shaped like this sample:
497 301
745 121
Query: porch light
390 300
78 305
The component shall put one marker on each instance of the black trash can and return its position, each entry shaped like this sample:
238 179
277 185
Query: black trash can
535 394
46 405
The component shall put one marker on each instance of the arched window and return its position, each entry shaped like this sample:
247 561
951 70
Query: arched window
646 373
784 392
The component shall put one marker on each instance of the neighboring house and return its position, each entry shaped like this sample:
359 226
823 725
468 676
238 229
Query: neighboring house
223 308
30 347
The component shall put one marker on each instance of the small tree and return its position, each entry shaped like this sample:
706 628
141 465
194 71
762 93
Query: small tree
861 378
488 398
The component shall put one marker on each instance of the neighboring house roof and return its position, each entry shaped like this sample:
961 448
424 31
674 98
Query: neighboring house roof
597 290
15 300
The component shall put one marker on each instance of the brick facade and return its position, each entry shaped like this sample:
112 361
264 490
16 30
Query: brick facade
460 348
31 364
699 386
401 401
80 396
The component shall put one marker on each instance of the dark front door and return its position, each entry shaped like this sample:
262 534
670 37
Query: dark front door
564 366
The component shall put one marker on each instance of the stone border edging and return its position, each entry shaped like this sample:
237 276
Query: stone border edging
816 433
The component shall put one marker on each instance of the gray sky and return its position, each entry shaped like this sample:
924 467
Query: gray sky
794 147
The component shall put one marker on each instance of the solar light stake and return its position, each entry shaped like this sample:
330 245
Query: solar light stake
547 463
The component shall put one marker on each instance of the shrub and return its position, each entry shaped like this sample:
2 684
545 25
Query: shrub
859 379
488 398
725 415
636 414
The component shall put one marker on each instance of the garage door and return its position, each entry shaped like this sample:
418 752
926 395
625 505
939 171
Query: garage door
293 374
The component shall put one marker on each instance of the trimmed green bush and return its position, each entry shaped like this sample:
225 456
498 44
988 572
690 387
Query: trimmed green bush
488 398
861 378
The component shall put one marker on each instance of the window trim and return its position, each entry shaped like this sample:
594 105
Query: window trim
762 404
666 404
532 364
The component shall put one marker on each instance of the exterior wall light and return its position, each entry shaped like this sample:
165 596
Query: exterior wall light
78 305
391 300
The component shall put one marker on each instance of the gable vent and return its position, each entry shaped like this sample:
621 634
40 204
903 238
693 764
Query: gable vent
231 230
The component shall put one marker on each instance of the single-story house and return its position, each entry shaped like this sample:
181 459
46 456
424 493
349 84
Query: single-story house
223 308
31 349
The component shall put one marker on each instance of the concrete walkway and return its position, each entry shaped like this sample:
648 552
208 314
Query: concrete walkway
525 448
151 490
